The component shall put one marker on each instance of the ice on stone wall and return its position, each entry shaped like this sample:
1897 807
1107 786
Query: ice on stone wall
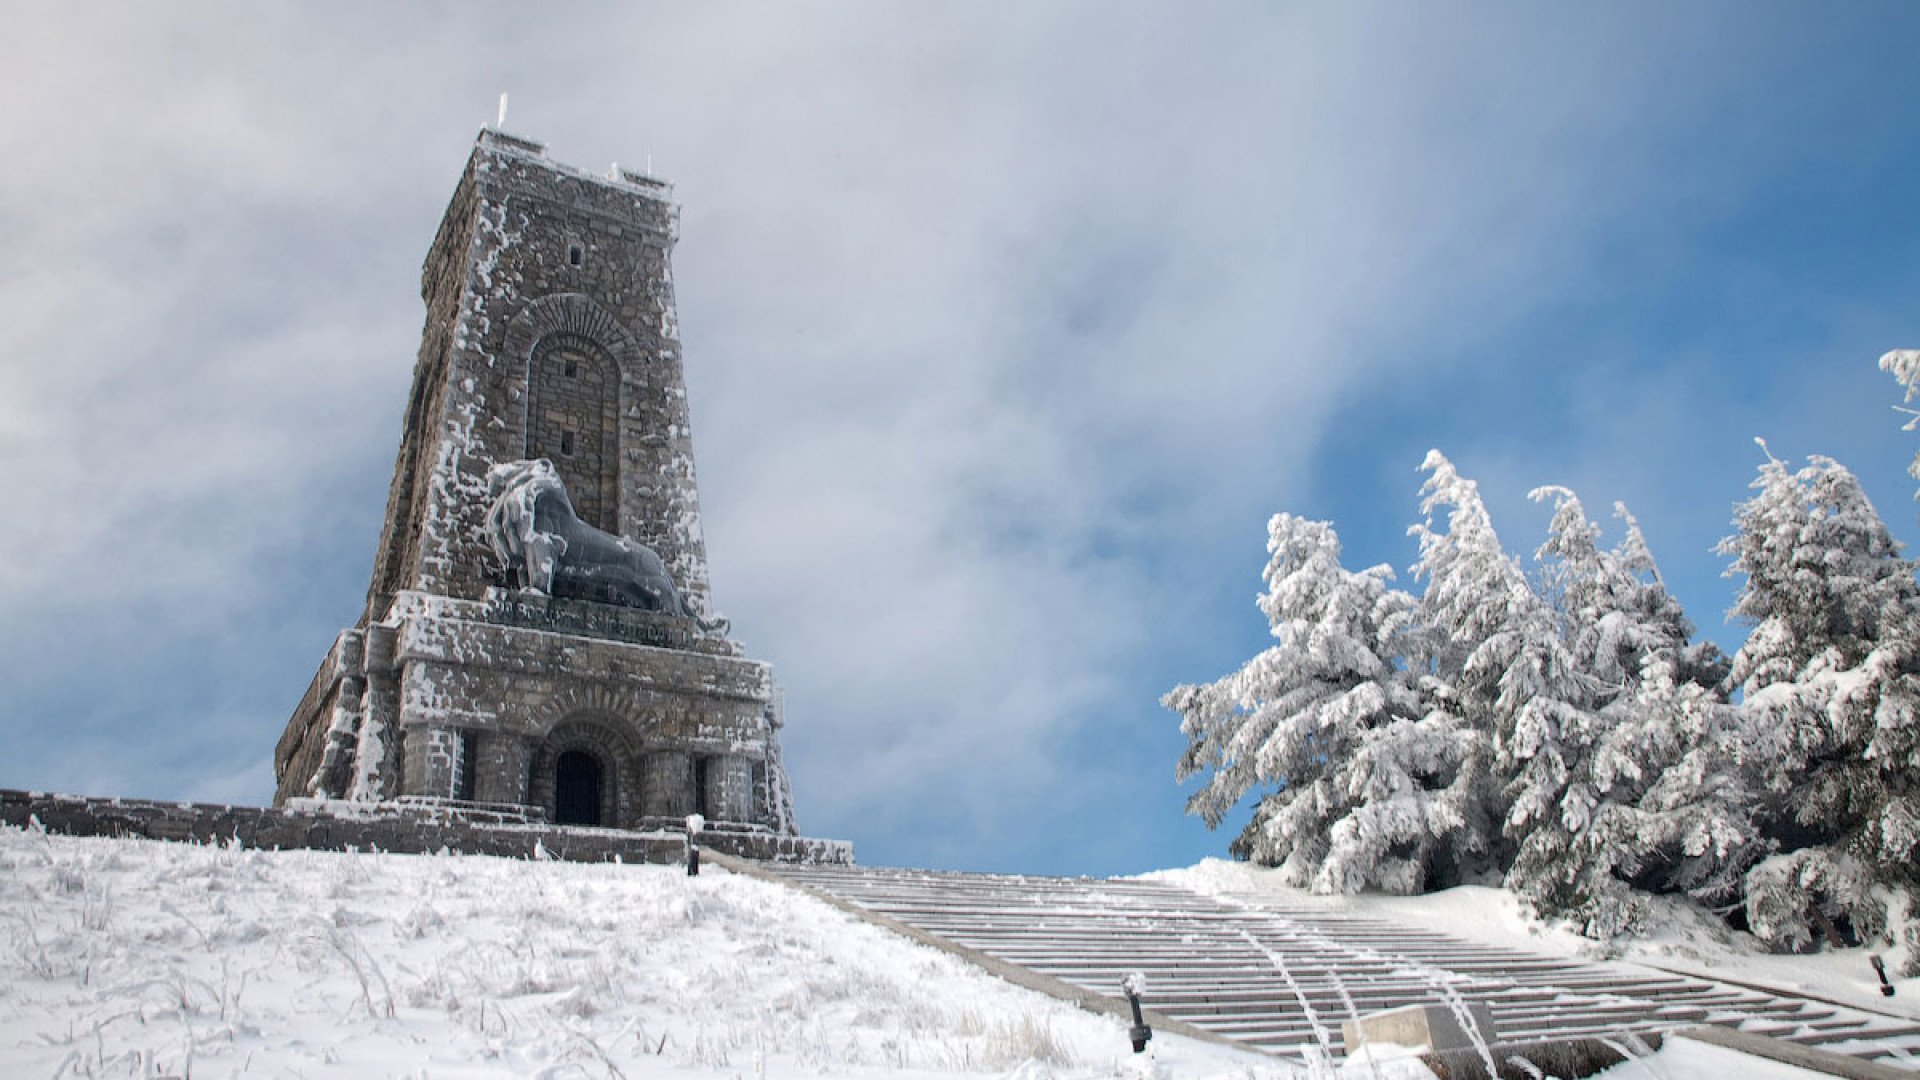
341 734
779 791
453 488
490 222
369 764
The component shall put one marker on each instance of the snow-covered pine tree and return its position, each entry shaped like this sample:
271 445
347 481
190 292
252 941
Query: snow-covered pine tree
1830 679
1637 784
1904 365
1674 726
1494 643
1330 719
1695 830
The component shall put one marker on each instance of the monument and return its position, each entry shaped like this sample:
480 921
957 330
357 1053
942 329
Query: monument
538 639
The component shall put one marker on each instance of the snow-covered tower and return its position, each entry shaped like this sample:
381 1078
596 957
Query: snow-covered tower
537 632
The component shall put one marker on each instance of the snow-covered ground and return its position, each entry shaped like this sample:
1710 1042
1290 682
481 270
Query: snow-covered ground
139 958
1680 939
1684 1059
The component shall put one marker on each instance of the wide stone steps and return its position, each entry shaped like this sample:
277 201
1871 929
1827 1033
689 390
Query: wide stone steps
1281 977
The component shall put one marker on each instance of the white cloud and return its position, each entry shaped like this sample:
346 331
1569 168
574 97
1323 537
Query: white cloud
997 321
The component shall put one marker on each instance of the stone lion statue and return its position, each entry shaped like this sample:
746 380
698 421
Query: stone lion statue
545 546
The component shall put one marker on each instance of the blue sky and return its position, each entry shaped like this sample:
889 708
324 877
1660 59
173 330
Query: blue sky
1007 327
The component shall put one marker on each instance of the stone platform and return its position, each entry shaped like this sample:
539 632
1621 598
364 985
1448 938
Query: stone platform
471 829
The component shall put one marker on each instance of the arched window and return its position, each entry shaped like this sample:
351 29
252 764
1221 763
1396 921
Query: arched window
573 409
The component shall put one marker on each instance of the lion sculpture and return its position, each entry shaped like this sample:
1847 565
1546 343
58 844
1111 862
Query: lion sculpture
547 548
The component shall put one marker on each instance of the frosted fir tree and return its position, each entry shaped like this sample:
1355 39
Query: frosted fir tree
1616 611
1329 723
1496 645
1693 827
1672 734
1904 365
1633 788
1830 683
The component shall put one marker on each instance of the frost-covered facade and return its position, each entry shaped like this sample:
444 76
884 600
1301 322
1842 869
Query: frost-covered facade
547 654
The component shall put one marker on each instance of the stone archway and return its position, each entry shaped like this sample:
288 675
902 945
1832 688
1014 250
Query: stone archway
582 773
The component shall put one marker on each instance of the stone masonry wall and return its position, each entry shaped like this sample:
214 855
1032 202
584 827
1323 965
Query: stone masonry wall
573 415
530 248
481 710
553 251
303 745
442 284
391 827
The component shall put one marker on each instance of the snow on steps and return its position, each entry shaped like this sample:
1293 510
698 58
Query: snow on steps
1281 979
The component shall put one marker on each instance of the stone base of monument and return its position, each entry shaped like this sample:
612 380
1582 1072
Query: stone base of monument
1432 1026
476 703
1570 1059
409 827
1460 1045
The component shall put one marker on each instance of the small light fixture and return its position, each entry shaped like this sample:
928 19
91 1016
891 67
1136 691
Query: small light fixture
1133 986
1880 969
694 824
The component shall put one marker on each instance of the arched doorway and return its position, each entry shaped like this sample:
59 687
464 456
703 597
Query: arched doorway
577 782
582 772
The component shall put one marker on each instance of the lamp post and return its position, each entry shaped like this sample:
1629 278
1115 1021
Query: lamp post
694 824
1134 985
1880 969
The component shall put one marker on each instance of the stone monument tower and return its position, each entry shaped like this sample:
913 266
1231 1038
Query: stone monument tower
537 636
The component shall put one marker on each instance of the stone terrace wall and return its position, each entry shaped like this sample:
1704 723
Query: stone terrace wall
391 827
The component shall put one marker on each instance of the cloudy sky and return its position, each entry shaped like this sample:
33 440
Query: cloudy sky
1007 326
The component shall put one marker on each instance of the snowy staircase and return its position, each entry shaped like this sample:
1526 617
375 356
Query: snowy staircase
1281 978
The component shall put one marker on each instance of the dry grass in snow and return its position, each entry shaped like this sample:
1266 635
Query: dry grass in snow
139 958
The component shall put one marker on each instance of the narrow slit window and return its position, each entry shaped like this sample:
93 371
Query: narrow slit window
566 444
469 764
576 255
572 369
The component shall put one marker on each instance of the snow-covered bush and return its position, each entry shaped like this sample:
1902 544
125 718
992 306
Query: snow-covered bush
1793 897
